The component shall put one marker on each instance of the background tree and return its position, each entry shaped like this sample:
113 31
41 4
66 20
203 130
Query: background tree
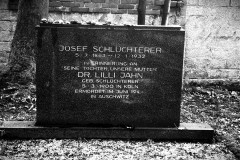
22 65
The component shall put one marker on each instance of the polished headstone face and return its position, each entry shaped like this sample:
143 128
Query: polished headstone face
109 76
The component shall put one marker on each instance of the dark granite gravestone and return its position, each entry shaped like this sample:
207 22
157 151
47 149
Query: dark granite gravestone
105 76
117 82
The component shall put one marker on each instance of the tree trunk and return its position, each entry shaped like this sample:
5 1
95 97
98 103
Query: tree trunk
22 65
166 10
141 12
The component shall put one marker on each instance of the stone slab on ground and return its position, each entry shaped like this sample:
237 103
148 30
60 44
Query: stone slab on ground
28 130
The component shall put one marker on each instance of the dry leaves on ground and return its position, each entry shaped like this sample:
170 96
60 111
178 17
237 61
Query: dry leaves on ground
214 105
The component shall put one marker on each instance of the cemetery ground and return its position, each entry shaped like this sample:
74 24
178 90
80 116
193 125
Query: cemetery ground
217 104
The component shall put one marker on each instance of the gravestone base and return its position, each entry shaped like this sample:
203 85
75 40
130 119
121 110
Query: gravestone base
199 132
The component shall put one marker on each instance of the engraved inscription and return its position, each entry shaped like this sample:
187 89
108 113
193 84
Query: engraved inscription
109 72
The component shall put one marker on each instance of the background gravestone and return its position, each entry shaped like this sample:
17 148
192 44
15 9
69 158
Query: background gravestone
109 76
